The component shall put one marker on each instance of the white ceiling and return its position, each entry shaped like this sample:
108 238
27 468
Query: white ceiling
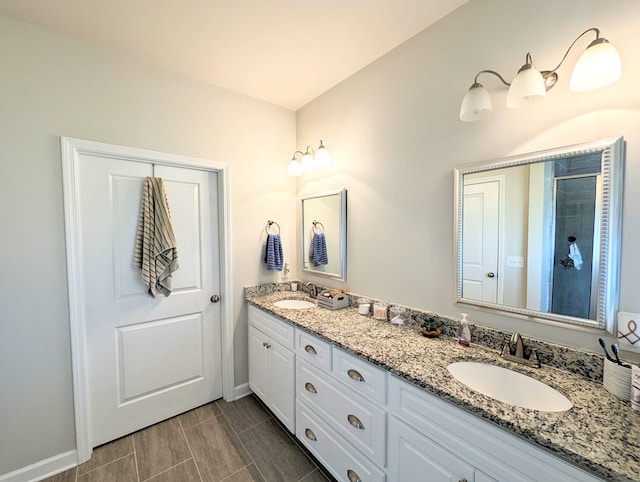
286 52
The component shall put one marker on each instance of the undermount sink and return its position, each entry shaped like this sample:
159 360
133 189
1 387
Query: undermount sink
509 387
294 304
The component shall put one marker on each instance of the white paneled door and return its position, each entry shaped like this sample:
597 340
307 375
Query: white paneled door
480 241
147 358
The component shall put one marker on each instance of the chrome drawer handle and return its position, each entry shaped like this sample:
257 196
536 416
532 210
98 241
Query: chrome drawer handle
309 434
310 388
355 375
353 477
355 422
310 349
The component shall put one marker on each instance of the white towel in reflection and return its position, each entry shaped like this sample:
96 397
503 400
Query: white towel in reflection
576 257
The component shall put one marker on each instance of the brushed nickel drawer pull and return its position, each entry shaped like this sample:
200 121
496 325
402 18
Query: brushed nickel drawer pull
353 477
355 422
309 434
355 375
310 349
310 388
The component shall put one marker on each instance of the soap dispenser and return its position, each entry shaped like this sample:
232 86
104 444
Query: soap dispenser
464 336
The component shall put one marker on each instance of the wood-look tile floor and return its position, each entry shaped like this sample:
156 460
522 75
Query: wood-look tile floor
232 442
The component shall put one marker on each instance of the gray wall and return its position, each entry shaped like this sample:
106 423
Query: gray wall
395 137
52 86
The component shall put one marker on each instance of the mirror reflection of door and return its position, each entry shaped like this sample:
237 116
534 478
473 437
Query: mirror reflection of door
481 240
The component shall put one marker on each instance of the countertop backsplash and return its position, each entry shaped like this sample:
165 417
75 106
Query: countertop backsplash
580 362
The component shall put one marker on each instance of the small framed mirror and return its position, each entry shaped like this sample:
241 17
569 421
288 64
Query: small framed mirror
538 234
324 234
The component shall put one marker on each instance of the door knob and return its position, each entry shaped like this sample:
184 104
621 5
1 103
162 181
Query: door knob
491 274
215 299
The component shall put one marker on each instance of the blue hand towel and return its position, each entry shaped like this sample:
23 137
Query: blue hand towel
318 249
273 253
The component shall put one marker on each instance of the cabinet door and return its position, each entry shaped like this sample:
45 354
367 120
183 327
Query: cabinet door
282 373
259 364
413 456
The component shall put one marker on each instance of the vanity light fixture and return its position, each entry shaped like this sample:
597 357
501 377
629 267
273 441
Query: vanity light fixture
598 66
309 160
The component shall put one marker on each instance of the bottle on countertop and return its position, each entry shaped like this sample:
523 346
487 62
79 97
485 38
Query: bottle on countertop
464 335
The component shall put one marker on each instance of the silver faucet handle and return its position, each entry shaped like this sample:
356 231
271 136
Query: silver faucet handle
517 339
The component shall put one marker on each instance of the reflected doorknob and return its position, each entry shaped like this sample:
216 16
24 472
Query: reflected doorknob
491 274
215 299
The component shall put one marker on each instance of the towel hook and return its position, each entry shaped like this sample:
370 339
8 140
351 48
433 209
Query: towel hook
269 224
572 239
315 226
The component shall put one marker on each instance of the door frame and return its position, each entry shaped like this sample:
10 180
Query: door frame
72 148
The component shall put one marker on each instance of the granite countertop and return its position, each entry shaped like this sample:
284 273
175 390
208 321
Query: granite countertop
600 433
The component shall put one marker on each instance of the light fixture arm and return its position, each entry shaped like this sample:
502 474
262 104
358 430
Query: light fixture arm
592 29
475 80
298 152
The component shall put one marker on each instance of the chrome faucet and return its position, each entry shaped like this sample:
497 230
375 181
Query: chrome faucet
312 290
513 350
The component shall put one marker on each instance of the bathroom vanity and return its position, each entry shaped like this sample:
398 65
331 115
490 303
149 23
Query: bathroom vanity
375 402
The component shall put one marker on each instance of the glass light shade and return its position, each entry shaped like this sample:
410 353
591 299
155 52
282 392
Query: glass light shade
295 168
308 162
323 159
598 66
476 104
527 88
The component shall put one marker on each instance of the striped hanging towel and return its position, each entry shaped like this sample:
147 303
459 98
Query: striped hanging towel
318 249
273 253
156 253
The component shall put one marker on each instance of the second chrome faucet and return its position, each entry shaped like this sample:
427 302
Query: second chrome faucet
513 350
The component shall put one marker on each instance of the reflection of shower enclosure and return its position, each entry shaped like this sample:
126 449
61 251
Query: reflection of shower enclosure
576 195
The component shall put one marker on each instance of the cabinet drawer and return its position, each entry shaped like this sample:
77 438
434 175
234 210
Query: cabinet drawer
277 329
337 455
313 349
360 375
359 420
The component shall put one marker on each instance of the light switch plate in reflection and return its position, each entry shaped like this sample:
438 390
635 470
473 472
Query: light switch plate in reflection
515 261
629 331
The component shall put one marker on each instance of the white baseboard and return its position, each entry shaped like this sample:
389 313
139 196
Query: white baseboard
43 469
241 391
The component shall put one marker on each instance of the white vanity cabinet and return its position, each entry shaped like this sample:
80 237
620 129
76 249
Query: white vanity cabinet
365 425
272 364
429 435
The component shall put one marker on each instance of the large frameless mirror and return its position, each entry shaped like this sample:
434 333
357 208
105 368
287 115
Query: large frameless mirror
539 234
324 234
